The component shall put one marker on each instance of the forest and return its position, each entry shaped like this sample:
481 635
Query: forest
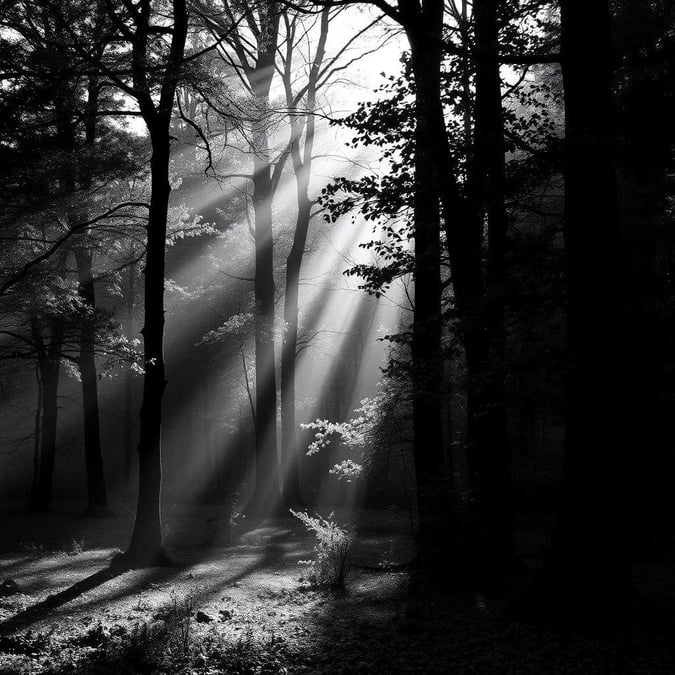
337 336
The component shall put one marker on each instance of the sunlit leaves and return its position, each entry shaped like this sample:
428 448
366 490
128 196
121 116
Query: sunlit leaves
236 328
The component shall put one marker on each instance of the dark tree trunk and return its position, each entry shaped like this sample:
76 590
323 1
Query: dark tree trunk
266 493
36 438
302 168
432 484
289 443
49 364
146 541
486 350
478 295
97 496
96 490
129 379
145 548
586 578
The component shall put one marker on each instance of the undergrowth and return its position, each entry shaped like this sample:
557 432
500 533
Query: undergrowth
333 550
169 641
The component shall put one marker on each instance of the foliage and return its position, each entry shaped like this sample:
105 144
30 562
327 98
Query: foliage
368 432
235 328
250 655
333 550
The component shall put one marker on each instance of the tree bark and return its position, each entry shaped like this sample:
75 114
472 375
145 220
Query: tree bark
36 438
586 578
146 541
266 493
290 452
49 364
145 548
129 378
93 454
432 484
478 293
486 351
302 168
96 489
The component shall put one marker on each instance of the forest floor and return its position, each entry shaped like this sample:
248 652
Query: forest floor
237 602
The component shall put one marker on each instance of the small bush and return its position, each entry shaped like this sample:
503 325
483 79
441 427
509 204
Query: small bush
165 644
76 547
250 655
333 550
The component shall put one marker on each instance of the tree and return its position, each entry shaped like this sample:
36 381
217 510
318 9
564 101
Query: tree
154 90
302 167
458 142
485 343
47 63
586 578
302 109
424 30
252 37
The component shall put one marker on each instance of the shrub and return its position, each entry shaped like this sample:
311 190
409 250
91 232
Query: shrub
333 550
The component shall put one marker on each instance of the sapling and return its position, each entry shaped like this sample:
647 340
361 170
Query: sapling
333 550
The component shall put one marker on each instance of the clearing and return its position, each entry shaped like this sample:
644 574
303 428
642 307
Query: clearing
238 601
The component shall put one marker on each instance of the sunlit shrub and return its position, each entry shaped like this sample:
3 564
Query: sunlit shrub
333 550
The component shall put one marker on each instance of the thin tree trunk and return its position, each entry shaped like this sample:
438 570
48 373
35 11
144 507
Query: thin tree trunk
488 437
289 445
49 364
96 488
266 493
302 168
36 438
129 379
97 495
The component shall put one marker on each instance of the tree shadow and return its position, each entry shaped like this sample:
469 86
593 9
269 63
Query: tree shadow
42 609
266 552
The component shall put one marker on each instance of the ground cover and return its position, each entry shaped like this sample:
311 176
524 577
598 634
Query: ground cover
238 601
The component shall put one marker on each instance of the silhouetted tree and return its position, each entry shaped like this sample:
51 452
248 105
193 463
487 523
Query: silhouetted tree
586 578
154 91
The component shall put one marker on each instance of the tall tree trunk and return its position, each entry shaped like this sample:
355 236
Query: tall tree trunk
96 490
145 548
49 364
97 495
146 541
266 493
488 437
302 168
479 296
586 578
432 484
129 378
36 439
289 443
